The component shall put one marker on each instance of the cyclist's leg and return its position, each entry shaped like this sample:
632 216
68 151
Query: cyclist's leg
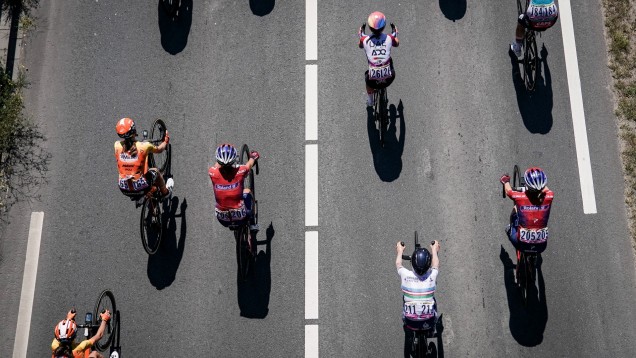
519 33
514 226
154 177
369 87
248 200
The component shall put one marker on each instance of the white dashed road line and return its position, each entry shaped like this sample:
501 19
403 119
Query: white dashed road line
311 178
28 286
576 104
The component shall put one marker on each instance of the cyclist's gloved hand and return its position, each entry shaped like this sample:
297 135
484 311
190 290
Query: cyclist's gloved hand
361 30
166 138
105 316
505 179
71 314
394 30
254 155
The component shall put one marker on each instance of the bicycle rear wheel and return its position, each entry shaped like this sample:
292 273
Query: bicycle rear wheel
530 60
151 225
105 301
243 255
380 112
157 135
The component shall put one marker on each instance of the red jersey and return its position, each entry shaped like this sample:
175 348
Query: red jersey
532 215
228 193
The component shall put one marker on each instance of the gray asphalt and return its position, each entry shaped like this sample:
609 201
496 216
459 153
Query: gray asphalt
225 74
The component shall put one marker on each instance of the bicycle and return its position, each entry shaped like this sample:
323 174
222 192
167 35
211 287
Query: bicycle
245 241
380 112
525 269
171 7
92 321
151 223
530 54
420 336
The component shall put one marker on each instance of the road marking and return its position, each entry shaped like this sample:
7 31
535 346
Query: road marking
28 286
311 30
576 104
311 102
311 341
311 275
311 184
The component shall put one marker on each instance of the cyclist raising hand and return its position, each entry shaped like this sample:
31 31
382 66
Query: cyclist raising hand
378 50
64 345
528 228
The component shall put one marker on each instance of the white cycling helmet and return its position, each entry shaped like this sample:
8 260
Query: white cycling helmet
226 154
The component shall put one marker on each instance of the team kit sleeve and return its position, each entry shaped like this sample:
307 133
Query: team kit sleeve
84 345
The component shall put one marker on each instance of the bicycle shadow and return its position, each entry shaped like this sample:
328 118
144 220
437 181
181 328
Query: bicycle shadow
435 344
262 7
527 324
163 265
453 9
535 107
175 30
387 161
253 293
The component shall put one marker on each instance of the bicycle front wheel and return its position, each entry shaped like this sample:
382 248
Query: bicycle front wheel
157 136
105 301
151 225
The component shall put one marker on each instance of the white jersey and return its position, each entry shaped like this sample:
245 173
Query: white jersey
419 294
378 48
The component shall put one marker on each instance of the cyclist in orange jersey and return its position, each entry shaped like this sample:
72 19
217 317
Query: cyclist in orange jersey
64 345
135 178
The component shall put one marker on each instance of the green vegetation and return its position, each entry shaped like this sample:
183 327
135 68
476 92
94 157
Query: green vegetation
620 28
23 162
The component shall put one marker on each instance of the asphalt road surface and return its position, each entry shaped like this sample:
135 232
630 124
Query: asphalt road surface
234 71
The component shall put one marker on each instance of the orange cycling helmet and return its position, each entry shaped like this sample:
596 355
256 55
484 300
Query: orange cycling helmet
65 330
126 128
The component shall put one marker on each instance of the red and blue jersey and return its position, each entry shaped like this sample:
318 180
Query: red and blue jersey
532 214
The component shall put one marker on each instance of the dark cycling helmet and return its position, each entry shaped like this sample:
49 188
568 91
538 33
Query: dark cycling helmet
421 261
126 128
226 154
535 178
376 22
65 331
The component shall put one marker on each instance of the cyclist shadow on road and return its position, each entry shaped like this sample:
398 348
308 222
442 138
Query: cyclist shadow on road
527 324
175 30
253 293
163 265
262 7
535 107
388 160
453 9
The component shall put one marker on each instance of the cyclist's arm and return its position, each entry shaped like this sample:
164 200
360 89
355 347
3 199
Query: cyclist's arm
508 189
250 163
398 260
99 334
396 42
435 260
161 147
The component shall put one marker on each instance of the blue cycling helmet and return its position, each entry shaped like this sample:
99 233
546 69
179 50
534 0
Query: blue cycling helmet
535 178
421 261
226 154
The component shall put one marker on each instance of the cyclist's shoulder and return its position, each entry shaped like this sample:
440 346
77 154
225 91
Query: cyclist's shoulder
82 346
144 146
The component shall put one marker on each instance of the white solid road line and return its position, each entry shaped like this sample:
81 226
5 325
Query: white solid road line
311 102
28 286
311 341
311 30
311 185
576 104
311 275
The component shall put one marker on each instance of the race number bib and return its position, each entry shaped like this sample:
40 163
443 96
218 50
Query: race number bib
232 214
419 310
533 236
380 73
542 13
133 185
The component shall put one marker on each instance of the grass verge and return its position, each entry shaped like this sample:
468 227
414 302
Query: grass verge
620 32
